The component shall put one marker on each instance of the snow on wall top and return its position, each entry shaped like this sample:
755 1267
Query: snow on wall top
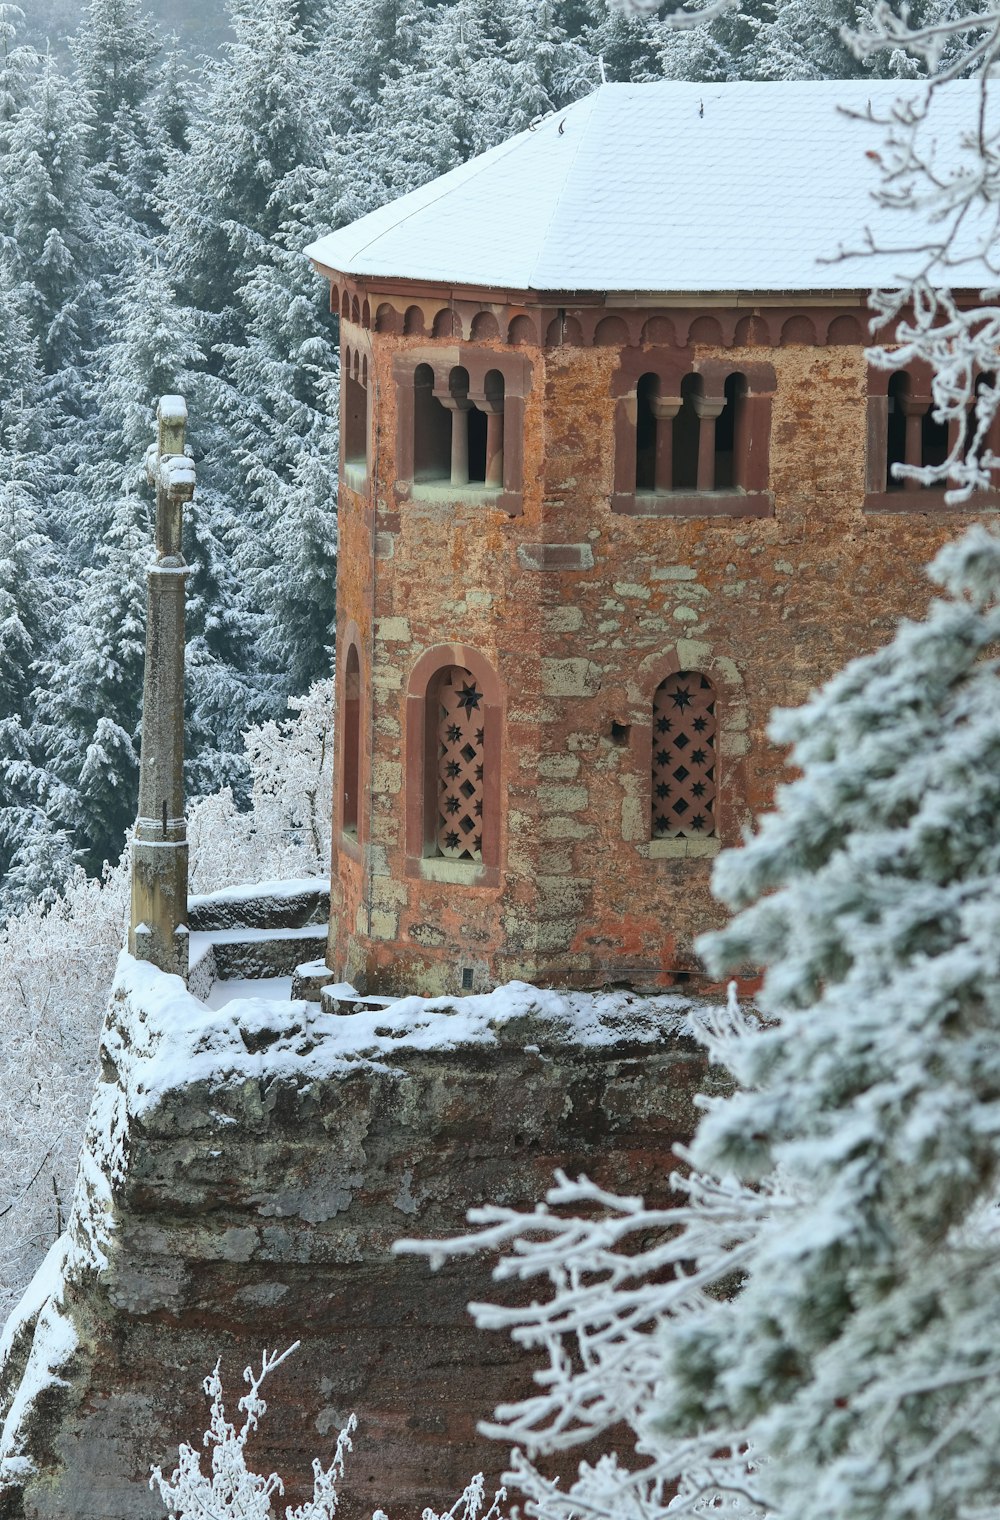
666 187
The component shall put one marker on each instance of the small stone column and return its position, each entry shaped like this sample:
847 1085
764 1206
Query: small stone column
914 409
158 931
664 409
709 410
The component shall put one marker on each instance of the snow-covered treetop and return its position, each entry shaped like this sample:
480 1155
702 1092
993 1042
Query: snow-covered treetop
671 187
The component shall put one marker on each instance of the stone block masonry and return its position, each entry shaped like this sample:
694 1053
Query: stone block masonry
244 1176
580 605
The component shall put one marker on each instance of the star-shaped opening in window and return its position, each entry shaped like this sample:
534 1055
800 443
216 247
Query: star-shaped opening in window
451 804
452 769
663 725
451 840
469 698
698 757
681 697
453 733
699 725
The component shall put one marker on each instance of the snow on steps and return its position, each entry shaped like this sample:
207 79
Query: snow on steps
256 932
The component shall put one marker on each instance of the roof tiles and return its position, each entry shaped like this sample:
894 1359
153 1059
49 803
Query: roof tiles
667 187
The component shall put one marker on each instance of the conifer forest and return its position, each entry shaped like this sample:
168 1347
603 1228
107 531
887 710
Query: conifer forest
153 209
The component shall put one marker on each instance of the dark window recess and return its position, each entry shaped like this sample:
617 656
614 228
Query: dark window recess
933 439
913 436
725 434
687 430
355 414
477 444
352 741
645 433
431 429
466 978
684 757
620 733
899 387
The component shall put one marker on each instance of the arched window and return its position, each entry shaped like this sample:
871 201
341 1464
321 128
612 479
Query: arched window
730 439
913 436
684 764
457 750
431 429
686 429
647 394
457 433
692 443
354 410
454 724
492 405
461 424
351 752
902 430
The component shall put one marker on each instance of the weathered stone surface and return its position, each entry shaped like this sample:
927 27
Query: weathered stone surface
259 1205
767 606
262 906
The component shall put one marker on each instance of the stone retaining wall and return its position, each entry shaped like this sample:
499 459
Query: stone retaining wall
256 1202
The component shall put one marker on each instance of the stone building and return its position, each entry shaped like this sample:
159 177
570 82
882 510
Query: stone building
616 481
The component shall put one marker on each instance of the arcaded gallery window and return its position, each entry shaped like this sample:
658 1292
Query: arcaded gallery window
692 443
684 759
903 431
457 435
460 426
913 436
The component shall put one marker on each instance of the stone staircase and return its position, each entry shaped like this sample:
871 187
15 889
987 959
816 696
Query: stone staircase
260 932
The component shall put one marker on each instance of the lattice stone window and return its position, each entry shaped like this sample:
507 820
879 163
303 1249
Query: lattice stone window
684 757
459 823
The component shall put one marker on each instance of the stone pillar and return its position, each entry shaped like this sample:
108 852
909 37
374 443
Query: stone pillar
158 931
914 409
458 406
494 448
709 410
664 409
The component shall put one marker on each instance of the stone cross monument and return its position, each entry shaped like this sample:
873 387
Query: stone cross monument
159 931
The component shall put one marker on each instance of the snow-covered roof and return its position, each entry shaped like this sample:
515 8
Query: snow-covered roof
665 187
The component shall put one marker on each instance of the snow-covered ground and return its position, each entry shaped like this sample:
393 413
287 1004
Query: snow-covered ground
272 989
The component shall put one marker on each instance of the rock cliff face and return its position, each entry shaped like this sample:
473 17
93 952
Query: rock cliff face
244 1177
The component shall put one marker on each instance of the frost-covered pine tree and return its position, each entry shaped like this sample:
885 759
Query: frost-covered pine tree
18 62
51 229
281 402
116 50
259 123
35 853
90 705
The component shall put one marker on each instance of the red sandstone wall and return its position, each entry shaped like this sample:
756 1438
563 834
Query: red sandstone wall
767 606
